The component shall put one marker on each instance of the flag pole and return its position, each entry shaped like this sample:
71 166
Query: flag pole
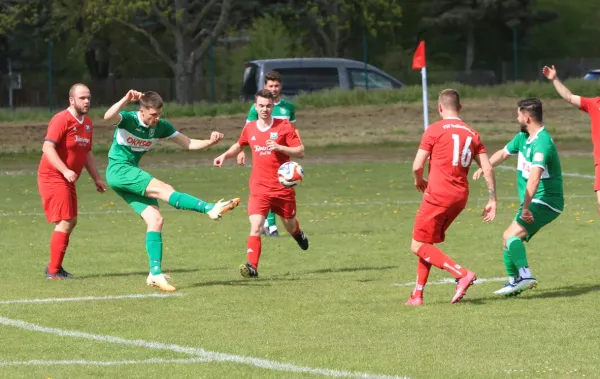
425 105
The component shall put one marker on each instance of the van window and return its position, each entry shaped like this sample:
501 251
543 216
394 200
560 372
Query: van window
308 79
375 80
249 86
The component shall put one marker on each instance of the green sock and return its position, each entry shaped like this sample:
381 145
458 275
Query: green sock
516 249
154 250
181 200
511 269
271 219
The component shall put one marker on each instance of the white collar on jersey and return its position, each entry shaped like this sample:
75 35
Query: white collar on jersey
530 139
140 120
267 128
75 117
452 118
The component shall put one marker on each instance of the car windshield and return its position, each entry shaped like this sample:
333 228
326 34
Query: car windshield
592 75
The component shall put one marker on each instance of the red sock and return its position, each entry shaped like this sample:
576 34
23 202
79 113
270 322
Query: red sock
254 247
297 232
436 257
423 268
58 248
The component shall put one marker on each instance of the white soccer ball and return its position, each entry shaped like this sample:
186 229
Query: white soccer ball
290 174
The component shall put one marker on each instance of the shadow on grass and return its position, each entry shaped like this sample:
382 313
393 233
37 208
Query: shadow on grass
138 273
551 293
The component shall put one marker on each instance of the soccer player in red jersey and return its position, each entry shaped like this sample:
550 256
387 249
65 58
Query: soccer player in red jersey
589 105
66 150
450 145
273 142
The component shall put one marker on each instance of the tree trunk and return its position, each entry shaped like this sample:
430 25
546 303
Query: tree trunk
470 54
184 85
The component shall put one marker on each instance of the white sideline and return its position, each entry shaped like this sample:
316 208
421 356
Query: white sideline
102 363
90 298
571 174
452 281
208 356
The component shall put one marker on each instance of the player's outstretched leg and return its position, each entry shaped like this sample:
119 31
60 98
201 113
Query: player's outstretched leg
58 248
423 269
517 250
509 288
433 255
293 227
154 248
270 228
254 245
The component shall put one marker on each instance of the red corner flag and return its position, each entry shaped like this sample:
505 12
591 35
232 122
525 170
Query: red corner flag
419 57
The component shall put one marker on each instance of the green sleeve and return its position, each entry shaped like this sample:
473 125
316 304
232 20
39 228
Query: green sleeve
167 130
292 114
252 114
127 120
542 150
513 146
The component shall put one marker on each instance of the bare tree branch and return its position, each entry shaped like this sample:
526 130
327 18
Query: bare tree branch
218 29
164 20
200 16
153 41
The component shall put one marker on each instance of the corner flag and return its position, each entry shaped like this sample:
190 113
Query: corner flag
419 64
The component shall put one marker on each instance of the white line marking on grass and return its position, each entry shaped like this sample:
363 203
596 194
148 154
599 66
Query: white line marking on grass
103 363
571 174
452 281
208 356
90 298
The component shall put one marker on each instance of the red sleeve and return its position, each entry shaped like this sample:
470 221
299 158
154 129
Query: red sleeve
56 129
243 140
479 148
428 139
585 104
89 120
292 138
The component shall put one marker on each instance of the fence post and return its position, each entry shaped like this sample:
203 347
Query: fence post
50 94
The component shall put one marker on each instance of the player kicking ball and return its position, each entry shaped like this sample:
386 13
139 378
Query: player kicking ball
273 142
136 133
450 145
540 188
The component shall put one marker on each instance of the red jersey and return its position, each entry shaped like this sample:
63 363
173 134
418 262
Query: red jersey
73 140
592 107
265 163
453 145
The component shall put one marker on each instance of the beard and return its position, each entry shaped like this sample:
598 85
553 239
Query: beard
81 110
523 128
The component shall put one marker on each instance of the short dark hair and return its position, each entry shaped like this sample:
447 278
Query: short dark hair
273 76
450 99
151 99
265 94
533 107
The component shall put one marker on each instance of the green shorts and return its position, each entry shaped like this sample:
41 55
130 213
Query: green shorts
130 183
542 216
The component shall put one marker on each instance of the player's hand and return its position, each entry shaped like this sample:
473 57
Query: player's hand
218 162
549 73
241 158
477 174
100 186
527 216
273 146
215 137
489 211
133 95
70 176
421 184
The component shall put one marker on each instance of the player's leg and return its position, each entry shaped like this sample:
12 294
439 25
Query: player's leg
160 190
60 206
270 226
430 228
597 185
258 208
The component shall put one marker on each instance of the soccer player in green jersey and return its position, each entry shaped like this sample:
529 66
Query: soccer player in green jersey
136 132
283 110
540 188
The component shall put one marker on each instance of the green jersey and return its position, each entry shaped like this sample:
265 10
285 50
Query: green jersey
132 138
539 151
282 110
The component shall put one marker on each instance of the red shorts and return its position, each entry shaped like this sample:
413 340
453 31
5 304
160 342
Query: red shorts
58 200
262 204
597 180
432 221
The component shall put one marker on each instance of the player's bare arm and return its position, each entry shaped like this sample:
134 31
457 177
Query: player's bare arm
533 183
498 158
92 169
489 211
49 149
230 153
292 152
197 144
113 113
419 168
563 91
